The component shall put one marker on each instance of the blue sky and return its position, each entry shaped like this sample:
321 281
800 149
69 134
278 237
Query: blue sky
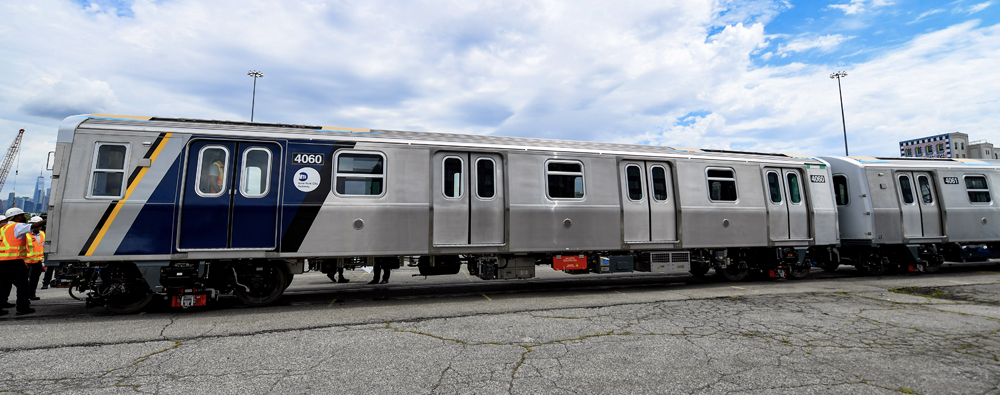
746 75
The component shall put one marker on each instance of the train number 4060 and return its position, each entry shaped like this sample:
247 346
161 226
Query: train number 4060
307 159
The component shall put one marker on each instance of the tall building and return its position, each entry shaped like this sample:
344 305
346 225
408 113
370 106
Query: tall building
948 145
39 189
10 200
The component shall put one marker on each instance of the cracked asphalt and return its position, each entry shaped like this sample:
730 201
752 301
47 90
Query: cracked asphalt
845 334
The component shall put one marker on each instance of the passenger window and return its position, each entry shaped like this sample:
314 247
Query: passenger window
659 183
721 185
774 187
978 189
213 171
108 172
453 177
485 178
925 189
794 194
565 180
360 174
256 180
906 189
840 190
633 179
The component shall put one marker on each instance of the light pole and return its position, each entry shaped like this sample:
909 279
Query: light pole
255 74
838 75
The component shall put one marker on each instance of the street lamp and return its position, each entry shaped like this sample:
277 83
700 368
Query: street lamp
255 74
838 75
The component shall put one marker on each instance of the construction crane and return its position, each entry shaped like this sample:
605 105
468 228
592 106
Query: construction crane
8 160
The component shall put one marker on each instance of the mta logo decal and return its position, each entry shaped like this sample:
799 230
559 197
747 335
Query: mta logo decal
303 176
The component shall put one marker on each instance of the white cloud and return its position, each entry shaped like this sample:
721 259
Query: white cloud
925 15
859 6
978 7
822 43
679 73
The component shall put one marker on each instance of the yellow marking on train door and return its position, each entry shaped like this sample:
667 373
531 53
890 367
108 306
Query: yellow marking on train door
331 303
128 193
487 297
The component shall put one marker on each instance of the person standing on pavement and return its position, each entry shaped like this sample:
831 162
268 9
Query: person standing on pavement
383 264
13 251
36 252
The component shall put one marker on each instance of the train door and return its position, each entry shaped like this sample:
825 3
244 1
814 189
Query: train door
918 204
647 208
468 198
787 213
230 197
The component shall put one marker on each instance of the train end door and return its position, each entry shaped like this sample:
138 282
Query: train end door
230 196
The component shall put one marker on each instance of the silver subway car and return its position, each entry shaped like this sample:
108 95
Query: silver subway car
192 209
914 213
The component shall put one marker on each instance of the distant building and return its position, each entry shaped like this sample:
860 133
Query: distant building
948 145
39 194
982 150
10 200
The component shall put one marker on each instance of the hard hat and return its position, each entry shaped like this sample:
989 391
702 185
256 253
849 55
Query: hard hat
35 219
3 217
13 211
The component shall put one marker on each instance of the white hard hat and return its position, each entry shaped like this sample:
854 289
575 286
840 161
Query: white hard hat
35 219
13 211
3 217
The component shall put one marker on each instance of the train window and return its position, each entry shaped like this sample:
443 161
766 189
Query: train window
485 178
978 189
360 173
906 189
565 180
453 177
108 172
659 177
633 180
840 190
213 171
925 189
794 194
256 175
774 187
721 185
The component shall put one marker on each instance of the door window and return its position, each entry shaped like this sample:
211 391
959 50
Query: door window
925 189
453 177
906 189
659 183
360 173
793 188
633 180
485 178
978 189
107 177
840 190
213 171
256 180
774 187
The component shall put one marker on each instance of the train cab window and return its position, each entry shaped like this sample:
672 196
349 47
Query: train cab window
108 172
925 190
774 187
256 173
906 189
565 180
633 180
213 171
485 178
721 185
840 190
452 177
794 193
659 177
978 189
360 174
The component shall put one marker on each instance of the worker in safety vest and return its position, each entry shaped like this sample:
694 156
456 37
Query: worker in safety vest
13 251
216 176
36 253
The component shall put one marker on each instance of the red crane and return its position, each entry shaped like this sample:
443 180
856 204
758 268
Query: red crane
8 160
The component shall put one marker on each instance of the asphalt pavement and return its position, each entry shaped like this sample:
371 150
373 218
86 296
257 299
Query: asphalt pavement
632 333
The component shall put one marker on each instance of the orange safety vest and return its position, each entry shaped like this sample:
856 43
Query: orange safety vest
12 248
36 248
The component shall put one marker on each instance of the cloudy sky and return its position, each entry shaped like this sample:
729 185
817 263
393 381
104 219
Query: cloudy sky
744 75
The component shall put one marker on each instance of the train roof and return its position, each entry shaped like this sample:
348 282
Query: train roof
314 132
923 163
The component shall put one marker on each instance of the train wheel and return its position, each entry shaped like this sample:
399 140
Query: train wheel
874 265
736 272
799 271
830 266
934 264
129 304
699 269
260 284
